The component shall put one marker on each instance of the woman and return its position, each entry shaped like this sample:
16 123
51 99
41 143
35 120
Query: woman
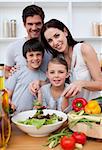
85 72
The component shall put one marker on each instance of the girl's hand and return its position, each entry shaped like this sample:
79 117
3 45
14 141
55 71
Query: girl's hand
34 87
73 89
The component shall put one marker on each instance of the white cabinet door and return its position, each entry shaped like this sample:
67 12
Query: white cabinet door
78 16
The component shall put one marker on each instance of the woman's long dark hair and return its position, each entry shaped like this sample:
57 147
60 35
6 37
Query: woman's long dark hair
59 25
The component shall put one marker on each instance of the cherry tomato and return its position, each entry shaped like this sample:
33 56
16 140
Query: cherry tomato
79 137
67 143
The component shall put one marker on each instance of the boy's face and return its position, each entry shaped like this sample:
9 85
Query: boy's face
34 59
33 26
57 74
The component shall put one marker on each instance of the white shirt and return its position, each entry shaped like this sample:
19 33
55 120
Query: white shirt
80 71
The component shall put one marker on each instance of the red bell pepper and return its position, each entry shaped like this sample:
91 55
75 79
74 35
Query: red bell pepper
79 104
80 137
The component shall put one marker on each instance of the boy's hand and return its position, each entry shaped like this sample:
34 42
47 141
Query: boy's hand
34 87
12 107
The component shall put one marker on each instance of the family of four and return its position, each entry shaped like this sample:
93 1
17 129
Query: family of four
53 67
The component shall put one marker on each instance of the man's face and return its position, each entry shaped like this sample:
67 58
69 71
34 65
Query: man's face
33 26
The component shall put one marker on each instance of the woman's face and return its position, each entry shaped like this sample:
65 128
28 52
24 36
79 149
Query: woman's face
56 39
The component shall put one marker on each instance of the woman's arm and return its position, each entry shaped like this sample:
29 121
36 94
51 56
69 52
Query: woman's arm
92 62
64 103
93 65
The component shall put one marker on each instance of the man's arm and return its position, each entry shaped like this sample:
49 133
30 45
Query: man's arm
7 71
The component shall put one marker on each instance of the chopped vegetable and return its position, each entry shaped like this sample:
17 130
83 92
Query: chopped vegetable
75 117
37 105
36 122
92 107
79 104
39 119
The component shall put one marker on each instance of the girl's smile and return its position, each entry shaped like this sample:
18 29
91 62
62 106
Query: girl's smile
57 74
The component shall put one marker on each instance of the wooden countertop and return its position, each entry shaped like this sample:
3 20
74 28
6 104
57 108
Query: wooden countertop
21 141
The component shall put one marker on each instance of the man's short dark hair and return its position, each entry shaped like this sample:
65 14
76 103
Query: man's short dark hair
32 45
32 10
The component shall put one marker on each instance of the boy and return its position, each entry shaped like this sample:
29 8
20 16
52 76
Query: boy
17 84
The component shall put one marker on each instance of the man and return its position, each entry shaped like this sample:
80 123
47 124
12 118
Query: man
33 19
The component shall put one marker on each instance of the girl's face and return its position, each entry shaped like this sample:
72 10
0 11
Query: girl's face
56 39
57 74
34 59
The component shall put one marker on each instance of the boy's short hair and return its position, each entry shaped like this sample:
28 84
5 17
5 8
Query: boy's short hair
32 45
32 10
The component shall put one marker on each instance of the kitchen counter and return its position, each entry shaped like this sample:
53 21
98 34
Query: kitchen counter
21 141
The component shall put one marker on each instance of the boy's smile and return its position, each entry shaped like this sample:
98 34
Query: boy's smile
34 59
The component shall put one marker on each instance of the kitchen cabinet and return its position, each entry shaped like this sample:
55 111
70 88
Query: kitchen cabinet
78 15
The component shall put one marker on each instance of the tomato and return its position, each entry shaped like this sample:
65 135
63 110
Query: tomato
80 137
67 143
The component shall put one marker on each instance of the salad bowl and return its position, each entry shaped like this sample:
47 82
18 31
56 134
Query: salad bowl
32 130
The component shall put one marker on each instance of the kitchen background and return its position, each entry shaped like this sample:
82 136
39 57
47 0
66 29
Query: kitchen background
83 18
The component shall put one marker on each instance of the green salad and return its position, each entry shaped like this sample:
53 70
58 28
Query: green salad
39 119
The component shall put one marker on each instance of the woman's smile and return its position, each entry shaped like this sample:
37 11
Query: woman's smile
56 39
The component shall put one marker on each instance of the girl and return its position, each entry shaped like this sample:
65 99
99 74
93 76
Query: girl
50 94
